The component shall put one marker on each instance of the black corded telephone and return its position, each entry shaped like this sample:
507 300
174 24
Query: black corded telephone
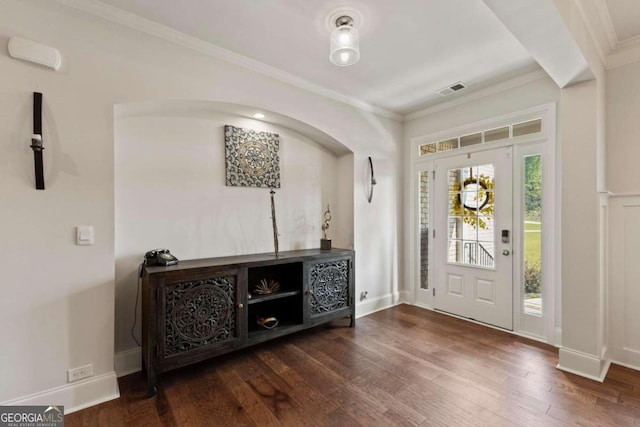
160 257
154 257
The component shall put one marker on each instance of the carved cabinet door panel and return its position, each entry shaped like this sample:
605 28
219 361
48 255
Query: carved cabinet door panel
330 288
200 315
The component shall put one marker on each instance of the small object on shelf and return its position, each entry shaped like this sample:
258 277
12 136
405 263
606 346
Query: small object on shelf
325 242
267 322
266 287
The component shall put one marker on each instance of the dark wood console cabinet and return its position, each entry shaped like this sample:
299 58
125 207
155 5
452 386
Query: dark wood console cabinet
202 308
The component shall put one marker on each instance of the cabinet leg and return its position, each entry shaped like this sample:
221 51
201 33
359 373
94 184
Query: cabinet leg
352 324
152 390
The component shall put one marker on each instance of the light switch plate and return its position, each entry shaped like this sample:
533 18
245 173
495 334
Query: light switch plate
84 235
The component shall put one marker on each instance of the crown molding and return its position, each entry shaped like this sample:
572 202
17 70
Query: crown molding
595 15
612 51
137 23
627 53
482 93
599 21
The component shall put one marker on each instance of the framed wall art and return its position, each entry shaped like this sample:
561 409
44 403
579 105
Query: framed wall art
252 158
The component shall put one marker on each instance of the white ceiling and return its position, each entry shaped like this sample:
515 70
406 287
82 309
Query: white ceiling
625 17
409 48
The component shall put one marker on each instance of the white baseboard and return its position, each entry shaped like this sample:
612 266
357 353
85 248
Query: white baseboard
369 306
75 396
557 337
128 361
624 357
404 297
583 364
422 305
626 365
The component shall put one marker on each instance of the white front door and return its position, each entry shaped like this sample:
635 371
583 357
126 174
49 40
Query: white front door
473 236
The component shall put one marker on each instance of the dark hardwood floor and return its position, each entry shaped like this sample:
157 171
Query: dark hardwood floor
401 366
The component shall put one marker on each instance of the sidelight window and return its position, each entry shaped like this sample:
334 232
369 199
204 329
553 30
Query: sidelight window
532 254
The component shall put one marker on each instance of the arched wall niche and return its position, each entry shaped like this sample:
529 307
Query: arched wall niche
169 173
201 108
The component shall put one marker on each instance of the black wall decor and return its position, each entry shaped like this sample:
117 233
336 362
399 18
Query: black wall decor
372 182
36 140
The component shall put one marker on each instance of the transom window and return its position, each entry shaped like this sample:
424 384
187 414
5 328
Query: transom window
490 135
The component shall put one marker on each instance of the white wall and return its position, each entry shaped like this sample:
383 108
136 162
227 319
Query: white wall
537 92
623 177
170 192
59 298
623 129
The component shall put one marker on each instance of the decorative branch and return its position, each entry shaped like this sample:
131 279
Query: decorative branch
325 224
273 220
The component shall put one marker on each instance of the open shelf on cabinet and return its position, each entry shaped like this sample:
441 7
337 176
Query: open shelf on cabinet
257 298
288 312
287 275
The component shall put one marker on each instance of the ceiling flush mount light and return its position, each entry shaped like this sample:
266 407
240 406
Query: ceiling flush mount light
345 47
258 116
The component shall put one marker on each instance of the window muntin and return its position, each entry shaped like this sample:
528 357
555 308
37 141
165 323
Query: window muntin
490 135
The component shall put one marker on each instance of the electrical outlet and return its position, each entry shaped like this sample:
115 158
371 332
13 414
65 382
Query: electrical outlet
79 373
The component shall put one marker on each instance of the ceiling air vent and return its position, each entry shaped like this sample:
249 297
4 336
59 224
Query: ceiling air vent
451 89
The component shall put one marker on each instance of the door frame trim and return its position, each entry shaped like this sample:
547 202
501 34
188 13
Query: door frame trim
551 209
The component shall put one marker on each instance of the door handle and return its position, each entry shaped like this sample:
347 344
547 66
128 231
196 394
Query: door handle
505 252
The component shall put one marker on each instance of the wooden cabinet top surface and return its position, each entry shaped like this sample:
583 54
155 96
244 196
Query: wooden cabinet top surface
249 260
